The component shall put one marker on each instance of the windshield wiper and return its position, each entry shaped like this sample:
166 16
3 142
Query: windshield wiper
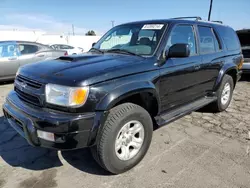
96 50
122 51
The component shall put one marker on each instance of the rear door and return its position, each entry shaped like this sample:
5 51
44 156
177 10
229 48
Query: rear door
30 53
179 77
8 59
210 48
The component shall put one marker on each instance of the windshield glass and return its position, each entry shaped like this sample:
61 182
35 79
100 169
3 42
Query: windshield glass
140 39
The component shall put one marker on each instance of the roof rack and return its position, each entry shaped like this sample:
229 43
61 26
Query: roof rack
191 17
218 22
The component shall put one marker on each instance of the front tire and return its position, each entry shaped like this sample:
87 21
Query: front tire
224 94
124 138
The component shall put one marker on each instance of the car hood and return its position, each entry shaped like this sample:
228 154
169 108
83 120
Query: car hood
86 69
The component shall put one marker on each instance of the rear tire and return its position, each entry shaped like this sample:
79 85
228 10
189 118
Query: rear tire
124 139
224 94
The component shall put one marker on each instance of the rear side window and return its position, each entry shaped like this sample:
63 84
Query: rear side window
66 47
229 38
26 49
207 40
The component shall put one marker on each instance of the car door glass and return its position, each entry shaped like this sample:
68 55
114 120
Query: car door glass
66 47
207 40
8 50
183 34
26 49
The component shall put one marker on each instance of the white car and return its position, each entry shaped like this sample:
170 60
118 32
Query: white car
71 50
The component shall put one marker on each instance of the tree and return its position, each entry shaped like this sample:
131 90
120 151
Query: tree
90 33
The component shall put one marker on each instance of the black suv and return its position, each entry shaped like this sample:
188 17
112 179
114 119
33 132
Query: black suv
138 75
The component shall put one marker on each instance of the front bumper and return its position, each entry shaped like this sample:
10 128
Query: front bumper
71 131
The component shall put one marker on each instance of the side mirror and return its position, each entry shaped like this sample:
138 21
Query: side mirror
178 51
93 44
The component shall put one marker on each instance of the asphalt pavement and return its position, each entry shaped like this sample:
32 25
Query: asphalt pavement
200 150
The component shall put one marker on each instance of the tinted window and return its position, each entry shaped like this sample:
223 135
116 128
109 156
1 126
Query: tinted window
8 50
65 47
183 34
54 46
229 38
28 49
207 40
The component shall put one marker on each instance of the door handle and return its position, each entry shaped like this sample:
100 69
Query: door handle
12 58
40 55
197 67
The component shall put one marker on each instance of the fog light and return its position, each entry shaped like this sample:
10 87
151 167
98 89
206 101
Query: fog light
46 135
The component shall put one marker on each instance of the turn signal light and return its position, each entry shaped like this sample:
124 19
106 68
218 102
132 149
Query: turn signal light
241 63
79 96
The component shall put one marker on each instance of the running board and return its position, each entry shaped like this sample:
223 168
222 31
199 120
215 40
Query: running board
184 110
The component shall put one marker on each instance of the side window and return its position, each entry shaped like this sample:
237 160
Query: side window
8 50
66 47
183 34
26 49
207 41
70 47
229 37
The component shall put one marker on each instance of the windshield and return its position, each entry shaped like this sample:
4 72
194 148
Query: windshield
139 39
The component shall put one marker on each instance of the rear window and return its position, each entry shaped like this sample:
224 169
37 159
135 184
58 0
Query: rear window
229 37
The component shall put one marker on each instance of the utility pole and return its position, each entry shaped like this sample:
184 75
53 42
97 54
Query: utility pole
210 10
73 29
113 23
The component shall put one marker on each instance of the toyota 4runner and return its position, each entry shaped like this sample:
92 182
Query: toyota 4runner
138 75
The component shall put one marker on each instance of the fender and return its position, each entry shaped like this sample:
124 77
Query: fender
126 90
227 67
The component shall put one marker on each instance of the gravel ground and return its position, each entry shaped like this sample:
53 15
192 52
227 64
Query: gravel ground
199 150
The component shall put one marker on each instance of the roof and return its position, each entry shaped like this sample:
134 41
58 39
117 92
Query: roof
166 21
19 41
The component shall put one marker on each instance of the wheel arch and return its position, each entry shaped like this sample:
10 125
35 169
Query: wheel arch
141 93
229 69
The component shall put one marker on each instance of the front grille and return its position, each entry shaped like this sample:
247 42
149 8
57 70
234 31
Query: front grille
27 97
30 83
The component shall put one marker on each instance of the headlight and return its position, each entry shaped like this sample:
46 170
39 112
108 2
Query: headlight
66 96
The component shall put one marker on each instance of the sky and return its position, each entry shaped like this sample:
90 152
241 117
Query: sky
57 16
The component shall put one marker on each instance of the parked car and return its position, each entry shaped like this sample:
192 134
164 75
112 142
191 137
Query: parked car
70 49
244 36
137 75
14 54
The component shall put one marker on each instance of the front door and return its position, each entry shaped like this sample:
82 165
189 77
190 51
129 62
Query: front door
8 60
179 77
